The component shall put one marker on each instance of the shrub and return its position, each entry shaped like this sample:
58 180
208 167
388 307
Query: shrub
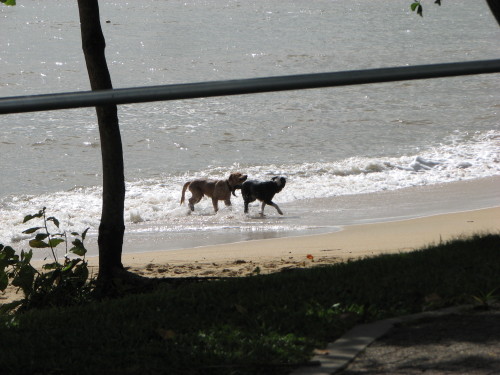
56 284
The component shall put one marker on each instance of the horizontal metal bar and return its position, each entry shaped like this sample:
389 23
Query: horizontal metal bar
79 99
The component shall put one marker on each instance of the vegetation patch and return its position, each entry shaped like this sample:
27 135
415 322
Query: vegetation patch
59 283
262 324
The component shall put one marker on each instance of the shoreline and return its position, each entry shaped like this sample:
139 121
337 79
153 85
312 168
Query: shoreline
351 242
305 217
341 211
272 255
276 254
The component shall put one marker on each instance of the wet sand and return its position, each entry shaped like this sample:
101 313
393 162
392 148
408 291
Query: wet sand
352 242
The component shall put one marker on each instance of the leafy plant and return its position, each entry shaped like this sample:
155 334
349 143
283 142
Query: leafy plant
416 6
56 284
485 300
8 2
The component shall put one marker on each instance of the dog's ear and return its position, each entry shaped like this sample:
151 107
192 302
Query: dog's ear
279 181
234 178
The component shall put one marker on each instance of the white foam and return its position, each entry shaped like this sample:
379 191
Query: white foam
154 204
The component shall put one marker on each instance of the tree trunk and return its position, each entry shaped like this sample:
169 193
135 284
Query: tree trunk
495 8
112 227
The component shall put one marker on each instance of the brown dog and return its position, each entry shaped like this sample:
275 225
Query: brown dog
218 190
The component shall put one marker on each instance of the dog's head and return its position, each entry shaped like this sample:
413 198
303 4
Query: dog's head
235 180
280 182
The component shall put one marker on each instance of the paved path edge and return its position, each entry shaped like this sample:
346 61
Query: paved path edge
341 352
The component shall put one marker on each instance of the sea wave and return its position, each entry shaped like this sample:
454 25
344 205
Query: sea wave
154 204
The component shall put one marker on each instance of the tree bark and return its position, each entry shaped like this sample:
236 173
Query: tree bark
112 227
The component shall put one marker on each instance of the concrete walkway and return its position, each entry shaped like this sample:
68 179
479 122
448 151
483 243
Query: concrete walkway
458 340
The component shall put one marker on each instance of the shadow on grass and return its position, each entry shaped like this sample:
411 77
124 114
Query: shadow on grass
253 325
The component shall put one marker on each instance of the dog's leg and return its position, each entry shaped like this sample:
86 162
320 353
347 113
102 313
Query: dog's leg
271 203
192 202
227 202
262 208
215 203
246 206
195 198
277 208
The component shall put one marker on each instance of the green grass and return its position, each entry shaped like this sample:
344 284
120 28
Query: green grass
254 325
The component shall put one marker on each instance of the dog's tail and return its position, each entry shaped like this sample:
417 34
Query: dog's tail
184 188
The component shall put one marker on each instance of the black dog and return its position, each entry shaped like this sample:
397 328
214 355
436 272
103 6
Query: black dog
264 191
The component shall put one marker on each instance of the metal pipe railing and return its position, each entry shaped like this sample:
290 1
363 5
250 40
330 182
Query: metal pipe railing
80 99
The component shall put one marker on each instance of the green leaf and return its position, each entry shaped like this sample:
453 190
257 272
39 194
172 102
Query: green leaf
8 2
82 272
69 266
77 243
9 252
27 217
54 220
38 244
84 234
53 275
3 264
30 217
4 281
418 7
24 279
41 236
55 241
26 256
51 266
31 230
78 250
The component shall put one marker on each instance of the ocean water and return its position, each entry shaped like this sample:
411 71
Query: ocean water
351 143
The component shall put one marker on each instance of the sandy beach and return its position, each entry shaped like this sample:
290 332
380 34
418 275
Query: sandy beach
354 241
272 255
